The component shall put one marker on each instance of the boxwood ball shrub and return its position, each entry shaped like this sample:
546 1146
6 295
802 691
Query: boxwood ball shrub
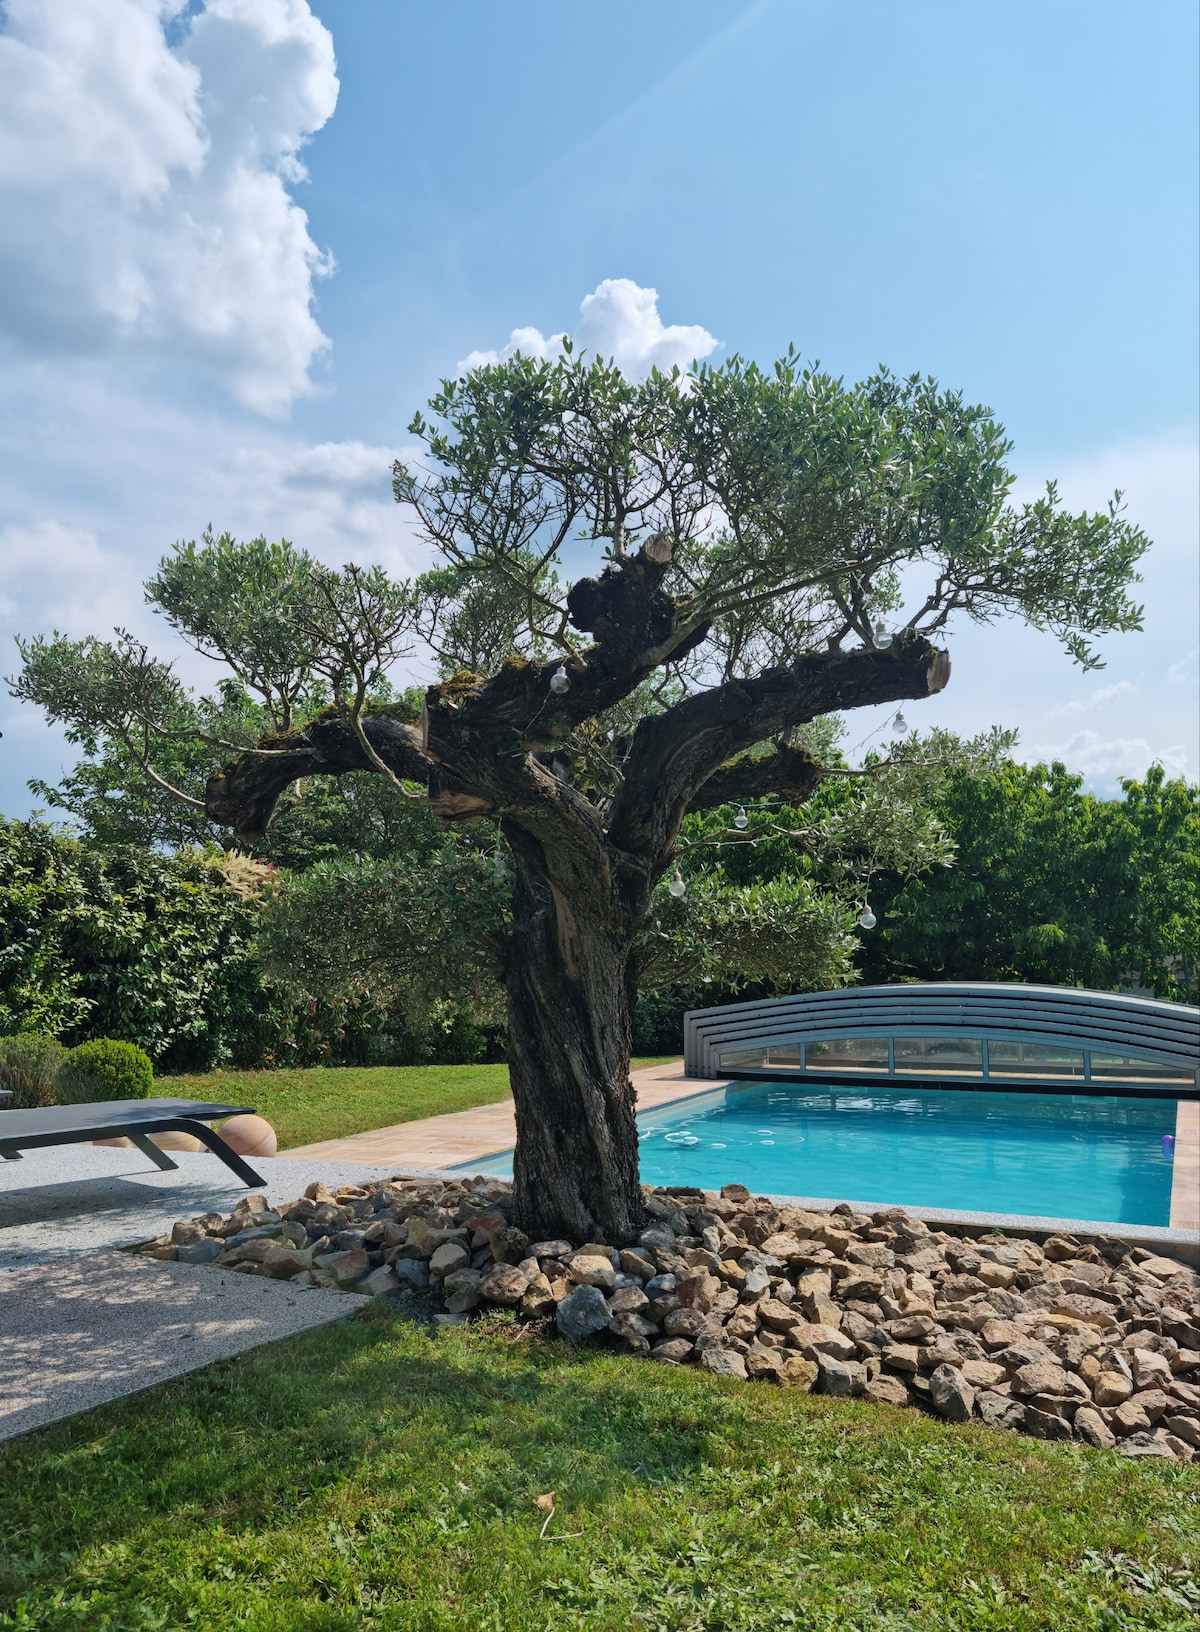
104 1069
29 1065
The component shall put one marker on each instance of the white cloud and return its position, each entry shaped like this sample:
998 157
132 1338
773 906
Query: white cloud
1104 761
1098 699
619 319
90 588
1187 670
144 184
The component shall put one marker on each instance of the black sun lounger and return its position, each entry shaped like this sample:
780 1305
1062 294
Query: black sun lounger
132 1119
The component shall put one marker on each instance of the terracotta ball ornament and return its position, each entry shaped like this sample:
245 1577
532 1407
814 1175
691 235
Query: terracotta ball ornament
249 1136
175 1140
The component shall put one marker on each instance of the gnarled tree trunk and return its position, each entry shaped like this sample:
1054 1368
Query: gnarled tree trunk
570 984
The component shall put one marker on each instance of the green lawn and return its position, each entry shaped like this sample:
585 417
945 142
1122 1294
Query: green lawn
379 1475
331 1102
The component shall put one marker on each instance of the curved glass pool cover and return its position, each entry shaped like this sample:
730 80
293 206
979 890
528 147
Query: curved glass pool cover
1047 1155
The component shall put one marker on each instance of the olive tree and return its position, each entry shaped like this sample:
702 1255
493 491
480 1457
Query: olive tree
643 592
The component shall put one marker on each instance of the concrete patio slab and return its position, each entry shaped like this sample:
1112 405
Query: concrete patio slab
83 1198
95 1327
469 1136
1185 1180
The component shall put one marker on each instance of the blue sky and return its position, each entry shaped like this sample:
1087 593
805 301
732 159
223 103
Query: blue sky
240 241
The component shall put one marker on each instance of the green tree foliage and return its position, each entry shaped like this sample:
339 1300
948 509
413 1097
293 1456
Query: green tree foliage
151 949
1051 884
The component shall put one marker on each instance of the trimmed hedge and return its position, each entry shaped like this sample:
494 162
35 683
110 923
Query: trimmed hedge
104 1069
29 1066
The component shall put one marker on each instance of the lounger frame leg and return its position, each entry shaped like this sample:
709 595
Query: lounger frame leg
219 1148
148 1148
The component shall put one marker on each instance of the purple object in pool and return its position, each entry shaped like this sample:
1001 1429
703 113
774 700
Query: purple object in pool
1168 1144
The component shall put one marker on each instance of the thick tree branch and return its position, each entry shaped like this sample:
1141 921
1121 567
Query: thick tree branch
674 754
637 628
789 774
244 794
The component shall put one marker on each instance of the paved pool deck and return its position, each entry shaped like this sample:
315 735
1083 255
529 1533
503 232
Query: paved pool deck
439 1142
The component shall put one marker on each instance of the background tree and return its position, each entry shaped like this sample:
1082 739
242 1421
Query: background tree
1050 884
756 534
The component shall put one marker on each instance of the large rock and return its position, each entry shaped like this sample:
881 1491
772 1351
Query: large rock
413 1272
1146 1444
1112 1388
461 1289
685 1323
723 1363
673 1352
1045 1424
886 1390
817 1340
1039 1377
1150 1370
1000 1410
200 1252
583 1312
779 1317
379 1281
345 1267
1129 1419
798 1372
504 1284
449 1256
589 1269
1090 1425
843 1377
951 1394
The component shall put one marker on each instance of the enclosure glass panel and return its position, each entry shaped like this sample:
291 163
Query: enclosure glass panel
939 1056
743 1059
784 1056
847 1054
1041 1061
1137 1068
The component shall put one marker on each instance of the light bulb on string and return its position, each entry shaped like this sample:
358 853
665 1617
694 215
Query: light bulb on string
559 681
900 723
866 917
677 887
741 821
883 635
498 862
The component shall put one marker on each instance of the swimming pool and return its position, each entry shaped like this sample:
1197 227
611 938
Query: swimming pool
1050 1155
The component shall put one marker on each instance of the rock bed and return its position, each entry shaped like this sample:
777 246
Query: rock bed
1069 1338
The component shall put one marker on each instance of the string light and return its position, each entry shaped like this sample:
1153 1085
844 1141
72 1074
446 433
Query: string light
867 918
899 723
559 681
498 862
883 638
677 887
741 821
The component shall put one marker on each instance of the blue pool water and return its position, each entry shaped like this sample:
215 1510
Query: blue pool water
1053 1155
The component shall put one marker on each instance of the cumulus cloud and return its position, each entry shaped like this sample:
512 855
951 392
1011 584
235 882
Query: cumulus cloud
619 319
1098 699
93 588
144 184
1105 761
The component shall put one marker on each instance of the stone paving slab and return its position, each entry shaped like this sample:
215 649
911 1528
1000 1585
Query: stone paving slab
1185 1182
84 1330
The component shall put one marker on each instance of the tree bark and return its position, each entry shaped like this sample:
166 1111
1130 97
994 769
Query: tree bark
570 984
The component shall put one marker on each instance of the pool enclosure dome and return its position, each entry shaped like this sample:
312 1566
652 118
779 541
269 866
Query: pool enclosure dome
957 1033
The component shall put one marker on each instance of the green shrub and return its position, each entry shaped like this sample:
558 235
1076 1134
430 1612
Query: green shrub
104 1069
29 1065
